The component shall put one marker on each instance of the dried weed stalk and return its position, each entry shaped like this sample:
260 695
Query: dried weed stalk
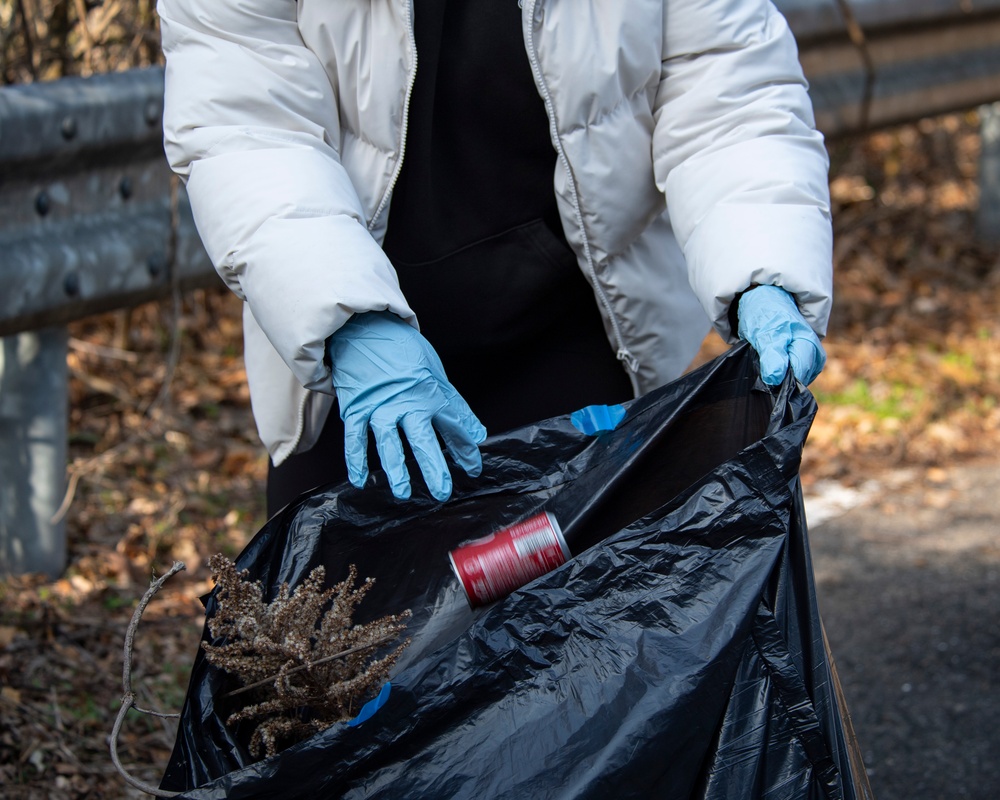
301 661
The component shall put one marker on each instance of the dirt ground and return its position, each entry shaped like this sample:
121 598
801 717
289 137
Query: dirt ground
901 472
165 465
909 590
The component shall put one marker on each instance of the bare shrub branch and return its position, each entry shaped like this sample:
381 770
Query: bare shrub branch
128 697
303 663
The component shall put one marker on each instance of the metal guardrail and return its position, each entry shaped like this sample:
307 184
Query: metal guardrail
88 219
91 219
818 19
873 63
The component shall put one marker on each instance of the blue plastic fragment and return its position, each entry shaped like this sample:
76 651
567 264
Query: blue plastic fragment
592 420
368 709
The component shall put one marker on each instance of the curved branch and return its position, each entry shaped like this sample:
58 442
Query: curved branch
857 36
128 698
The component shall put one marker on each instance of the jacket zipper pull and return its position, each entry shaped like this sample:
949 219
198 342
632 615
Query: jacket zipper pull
624 354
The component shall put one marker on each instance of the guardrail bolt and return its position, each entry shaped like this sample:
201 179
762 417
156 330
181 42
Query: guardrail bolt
156 264
68 128
42 204
125 188
152 112
71 284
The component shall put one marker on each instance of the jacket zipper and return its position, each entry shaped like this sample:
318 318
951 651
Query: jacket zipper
624 354
408 18
300 425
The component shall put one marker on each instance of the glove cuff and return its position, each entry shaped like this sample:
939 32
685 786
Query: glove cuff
734 308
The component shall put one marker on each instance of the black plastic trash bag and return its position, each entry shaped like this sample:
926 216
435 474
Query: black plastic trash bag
681 656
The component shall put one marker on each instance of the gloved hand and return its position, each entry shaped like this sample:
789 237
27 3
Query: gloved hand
387 375
772 323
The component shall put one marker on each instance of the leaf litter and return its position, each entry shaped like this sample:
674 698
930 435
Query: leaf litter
912 383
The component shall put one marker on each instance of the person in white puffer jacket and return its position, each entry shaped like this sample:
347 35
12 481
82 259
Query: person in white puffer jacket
556 177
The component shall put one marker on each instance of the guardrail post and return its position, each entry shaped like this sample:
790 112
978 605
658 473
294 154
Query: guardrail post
89 211
34 386
988 218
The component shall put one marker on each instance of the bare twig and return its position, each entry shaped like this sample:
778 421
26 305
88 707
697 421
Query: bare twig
166 729
56 714
342 654
29 38
107 16
67 501
128 698
145 24
32 712
103 351
857 36
84 466
88 38
79 469
103 386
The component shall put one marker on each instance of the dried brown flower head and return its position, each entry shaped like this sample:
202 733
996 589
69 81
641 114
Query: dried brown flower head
302 662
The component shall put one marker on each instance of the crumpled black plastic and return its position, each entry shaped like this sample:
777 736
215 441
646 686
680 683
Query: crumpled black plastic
679 656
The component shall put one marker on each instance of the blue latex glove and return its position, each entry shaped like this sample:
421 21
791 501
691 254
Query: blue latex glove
773 325
387 376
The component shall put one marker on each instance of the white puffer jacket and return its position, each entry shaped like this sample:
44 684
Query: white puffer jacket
288 122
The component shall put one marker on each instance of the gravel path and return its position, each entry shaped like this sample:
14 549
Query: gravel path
909 590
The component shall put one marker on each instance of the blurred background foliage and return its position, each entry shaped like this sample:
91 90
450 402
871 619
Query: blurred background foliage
41 40
912 383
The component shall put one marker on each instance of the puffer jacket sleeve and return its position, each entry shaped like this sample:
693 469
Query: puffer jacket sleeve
737 155
251 125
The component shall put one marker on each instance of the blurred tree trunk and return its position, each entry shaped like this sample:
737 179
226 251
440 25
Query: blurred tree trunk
146 53
28 37
60 26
